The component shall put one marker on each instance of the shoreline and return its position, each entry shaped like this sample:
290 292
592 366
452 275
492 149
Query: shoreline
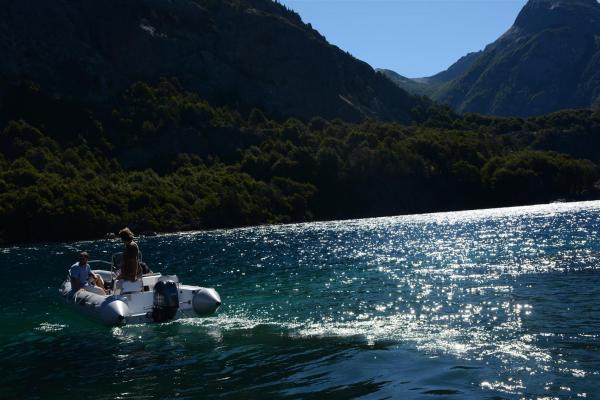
316 221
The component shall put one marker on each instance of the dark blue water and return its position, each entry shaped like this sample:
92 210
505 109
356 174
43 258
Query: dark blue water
495 304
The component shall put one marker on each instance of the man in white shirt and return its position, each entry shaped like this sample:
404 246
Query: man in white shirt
82 276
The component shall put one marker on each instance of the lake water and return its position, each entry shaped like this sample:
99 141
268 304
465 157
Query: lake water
492 304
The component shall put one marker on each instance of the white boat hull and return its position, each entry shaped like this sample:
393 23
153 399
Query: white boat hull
135 303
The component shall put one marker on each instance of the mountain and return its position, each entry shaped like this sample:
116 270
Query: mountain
89 106
414 86
547 61
454 71
428 85
242 53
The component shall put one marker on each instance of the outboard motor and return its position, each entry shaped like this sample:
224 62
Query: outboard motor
166 301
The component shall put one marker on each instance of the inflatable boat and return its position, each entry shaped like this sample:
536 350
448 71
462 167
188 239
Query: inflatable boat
152 298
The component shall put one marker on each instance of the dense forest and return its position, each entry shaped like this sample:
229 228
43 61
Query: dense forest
158 158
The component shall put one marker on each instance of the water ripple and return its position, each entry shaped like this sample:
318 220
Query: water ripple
493 303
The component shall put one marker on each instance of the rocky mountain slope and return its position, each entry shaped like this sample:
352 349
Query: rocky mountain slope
242 53
549 60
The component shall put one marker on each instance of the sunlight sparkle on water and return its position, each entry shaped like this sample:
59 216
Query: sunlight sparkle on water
477 303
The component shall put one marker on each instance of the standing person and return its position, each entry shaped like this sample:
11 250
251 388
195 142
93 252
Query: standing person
80 274
130 269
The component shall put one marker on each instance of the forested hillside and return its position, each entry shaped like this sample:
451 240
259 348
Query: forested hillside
163 159
197 114
239 53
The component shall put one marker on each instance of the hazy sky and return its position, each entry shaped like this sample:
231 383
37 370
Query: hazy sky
412 37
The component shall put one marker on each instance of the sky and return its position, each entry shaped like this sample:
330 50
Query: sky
415 38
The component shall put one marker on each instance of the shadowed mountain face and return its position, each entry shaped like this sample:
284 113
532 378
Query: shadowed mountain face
242 53
549 60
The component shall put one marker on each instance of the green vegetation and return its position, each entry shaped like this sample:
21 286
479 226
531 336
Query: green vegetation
162 159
